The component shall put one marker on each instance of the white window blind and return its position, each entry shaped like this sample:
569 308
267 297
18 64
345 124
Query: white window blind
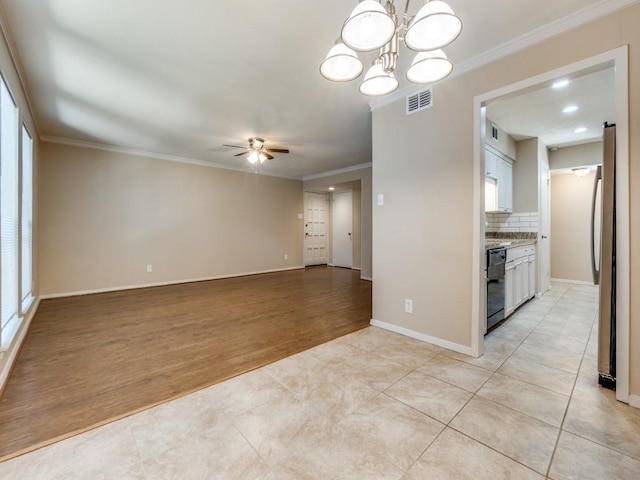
26 217
8 207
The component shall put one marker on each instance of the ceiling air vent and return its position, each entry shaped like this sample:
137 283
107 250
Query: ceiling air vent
419 101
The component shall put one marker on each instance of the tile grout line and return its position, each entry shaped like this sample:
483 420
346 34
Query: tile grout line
566 410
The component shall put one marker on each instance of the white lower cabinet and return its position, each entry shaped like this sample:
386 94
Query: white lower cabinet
509 289
532 276
519 277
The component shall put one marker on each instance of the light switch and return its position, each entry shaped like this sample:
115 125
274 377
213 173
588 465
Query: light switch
380 199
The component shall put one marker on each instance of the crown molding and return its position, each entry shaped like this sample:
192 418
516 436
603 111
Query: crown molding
361 166
148 154
529 39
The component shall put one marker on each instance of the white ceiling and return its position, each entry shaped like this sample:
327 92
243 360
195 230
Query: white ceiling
182 78
539 113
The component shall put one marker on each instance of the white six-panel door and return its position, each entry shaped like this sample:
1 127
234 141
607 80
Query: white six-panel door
315 228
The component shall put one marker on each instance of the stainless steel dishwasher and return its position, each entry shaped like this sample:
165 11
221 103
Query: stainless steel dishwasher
496 259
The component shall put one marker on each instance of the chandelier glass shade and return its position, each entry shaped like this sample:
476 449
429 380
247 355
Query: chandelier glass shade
378 82
433 27
342 64
374 27
368 27
429 67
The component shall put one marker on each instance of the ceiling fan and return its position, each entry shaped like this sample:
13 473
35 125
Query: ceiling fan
257 150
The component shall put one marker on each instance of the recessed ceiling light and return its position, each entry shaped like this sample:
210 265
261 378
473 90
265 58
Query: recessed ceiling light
581 171
570 109
580 130
560 84
331 189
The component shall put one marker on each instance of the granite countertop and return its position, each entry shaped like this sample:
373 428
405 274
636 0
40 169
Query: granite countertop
508 242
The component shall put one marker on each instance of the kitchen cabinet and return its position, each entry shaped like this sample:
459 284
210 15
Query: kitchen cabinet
505 184
519 277
490 159
498 172
509 289
532 275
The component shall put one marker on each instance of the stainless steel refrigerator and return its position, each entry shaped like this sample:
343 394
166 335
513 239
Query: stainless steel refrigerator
603 257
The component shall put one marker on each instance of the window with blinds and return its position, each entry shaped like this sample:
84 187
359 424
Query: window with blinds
26 218
9 305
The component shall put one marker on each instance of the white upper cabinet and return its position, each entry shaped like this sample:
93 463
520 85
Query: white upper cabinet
500 169
490 164
505 185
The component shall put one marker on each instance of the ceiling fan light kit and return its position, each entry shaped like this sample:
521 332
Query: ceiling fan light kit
374 27
257 151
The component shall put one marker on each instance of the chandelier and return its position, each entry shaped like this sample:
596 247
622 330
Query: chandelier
374 27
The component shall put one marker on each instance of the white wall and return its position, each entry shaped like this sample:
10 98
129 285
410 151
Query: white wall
505 143
105 216
576 156
571 198
423 237
525 176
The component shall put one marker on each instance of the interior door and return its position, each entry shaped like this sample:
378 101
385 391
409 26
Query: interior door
315 228
343 229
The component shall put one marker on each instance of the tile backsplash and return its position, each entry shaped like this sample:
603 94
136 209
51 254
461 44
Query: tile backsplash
498 222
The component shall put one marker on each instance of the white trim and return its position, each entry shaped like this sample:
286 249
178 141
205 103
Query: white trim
361 166
619 58
145 153
7 364
422 337
572 282
529 39
478 298
356 268
368 279
634 401
161 284
9 332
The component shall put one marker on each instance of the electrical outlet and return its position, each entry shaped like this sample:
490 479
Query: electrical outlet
149 268
286 257
408 305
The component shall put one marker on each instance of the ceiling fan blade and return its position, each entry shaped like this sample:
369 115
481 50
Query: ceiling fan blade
278 150
233 146
241 153
269 157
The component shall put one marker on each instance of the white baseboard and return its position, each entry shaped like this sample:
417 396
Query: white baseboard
573 282
368 279
161 284
634 401
11 353
422 337
356 268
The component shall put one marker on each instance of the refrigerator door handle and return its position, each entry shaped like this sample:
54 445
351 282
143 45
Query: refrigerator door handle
594 268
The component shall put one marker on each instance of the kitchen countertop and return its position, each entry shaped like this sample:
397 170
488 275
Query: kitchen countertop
508 242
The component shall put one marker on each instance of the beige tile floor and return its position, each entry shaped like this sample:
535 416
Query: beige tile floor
376 405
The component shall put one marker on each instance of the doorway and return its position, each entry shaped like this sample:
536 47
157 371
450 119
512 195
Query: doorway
616 58
342 221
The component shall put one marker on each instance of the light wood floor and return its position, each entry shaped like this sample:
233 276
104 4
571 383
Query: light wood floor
91 359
